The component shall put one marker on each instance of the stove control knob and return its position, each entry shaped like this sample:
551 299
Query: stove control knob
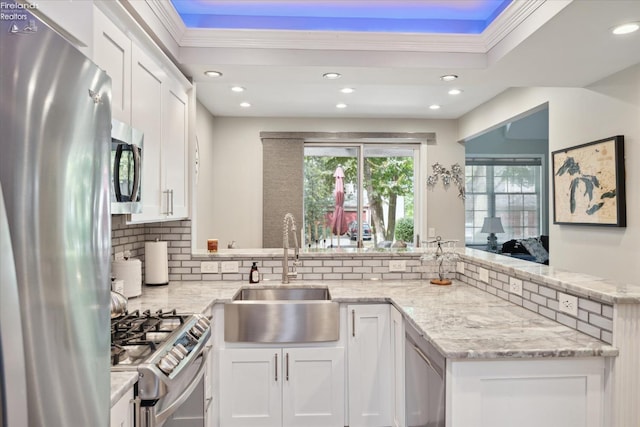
175 352
197 330
168 363
182 349
204 323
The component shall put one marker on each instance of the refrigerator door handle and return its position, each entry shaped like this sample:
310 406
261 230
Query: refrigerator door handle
13 373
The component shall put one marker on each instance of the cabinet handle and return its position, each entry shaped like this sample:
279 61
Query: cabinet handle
353 323
167 197
287 373
171 213
276 365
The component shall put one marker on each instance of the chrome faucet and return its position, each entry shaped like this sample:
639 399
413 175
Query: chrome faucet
289 221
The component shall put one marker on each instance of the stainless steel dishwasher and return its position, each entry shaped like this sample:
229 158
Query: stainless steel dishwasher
425 370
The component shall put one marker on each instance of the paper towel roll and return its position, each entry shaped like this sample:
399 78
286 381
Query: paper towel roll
156 264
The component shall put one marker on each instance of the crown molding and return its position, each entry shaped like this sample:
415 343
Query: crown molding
502 26
169 17
514 15
332 40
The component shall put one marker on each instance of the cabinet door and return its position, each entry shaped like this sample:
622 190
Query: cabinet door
369 364
313 387
250 387
122 411
175 153
147 78
554 392
397 362
112 53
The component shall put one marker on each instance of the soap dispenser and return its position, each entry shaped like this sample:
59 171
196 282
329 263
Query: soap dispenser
254 275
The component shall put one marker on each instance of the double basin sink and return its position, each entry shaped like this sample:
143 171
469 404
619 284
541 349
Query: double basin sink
282 314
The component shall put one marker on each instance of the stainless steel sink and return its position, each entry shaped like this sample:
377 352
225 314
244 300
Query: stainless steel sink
282 315
283 294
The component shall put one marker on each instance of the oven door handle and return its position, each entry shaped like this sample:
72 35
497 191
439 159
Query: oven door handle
164 415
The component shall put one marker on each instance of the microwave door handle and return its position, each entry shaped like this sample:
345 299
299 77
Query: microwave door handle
165 414
116 173
137 172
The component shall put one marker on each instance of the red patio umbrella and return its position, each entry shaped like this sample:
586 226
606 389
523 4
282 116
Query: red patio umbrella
339 221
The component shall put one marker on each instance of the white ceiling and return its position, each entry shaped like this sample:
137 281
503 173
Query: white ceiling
558 43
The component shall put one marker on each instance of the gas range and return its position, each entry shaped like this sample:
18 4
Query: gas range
167 349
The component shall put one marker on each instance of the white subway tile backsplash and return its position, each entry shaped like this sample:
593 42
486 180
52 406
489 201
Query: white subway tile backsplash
594 318
592 306
601 322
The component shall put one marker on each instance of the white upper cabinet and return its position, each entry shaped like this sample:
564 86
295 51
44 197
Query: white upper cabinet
112 53
72 19
149 94
146 114
175 154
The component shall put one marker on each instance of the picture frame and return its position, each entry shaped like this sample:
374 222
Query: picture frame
589 184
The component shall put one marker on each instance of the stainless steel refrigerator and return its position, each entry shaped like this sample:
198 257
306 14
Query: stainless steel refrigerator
54 229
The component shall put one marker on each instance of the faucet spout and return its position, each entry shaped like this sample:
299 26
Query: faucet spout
289 222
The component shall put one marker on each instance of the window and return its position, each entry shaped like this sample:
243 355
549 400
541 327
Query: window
379 187
508 188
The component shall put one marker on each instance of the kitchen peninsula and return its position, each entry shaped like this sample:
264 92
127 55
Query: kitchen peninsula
478 319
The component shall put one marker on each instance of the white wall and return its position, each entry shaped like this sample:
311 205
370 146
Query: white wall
576 116
229 192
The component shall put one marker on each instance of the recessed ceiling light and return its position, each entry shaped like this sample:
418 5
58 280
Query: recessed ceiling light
434 107
448 77
455 92
627 28
332 76
245 105
341 105
213 73
237 89
347 90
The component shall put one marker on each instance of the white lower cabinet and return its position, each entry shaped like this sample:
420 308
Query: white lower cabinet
370 365
525 393
282 387
397 363
122 411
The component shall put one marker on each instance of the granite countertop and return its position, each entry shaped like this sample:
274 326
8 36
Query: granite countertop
461 321
121 382
584 285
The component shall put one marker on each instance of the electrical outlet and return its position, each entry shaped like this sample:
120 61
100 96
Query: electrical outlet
397 265
432 232
208 267
568 304
118 256
515 286
229 266
483 273
460 267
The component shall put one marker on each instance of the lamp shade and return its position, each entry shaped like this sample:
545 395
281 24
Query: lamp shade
492 225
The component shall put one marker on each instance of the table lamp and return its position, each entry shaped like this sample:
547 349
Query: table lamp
492 225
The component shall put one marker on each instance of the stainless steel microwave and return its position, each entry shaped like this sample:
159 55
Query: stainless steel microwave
126 168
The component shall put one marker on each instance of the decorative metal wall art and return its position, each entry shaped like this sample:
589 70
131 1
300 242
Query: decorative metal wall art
454 176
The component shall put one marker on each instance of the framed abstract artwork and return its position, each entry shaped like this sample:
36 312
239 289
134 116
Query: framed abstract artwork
589 184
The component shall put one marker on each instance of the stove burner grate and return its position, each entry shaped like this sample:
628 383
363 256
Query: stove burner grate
143 331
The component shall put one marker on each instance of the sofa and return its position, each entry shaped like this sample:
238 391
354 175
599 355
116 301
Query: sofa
534 249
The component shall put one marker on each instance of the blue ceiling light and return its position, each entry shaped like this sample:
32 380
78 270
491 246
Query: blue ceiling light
432 16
